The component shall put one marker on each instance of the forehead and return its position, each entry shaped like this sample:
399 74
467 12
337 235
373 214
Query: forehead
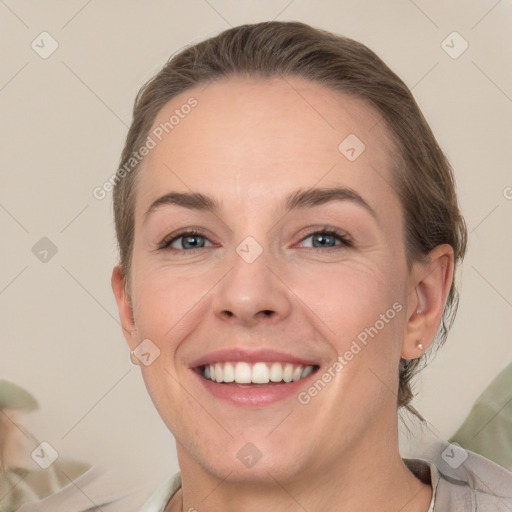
245 137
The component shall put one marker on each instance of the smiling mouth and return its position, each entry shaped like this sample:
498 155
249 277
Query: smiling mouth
251 374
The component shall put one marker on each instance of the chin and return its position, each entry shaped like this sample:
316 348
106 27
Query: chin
257 461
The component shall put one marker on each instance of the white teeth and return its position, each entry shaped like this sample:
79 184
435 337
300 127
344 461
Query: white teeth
257 373
276 372
297 373
243 373
229 372
288 372
260 373
307 371
218 372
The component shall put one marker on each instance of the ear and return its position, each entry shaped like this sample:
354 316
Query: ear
429 285
124 307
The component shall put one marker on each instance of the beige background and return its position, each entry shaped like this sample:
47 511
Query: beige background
63 123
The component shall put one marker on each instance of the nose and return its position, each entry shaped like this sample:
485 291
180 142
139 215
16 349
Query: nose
252 292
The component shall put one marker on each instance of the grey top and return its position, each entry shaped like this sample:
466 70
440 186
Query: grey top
462 481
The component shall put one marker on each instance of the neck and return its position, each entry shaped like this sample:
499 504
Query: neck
370 476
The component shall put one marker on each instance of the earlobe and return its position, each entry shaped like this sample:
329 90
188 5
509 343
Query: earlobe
123 306
429 287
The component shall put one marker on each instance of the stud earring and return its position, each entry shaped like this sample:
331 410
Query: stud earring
419 345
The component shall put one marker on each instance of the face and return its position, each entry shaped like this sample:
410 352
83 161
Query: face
269 249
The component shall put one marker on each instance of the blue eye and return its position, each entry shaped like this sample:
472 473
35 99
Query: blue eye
189 240
327 238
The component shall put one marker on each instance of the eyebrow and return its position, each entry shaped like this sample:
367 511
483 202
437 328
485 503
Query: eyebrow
296 200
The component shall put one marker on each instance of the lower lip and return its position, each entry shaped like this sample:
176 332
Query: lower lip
249 396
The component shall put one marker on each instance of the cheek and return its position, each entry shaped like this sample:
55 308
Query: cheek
361 312
349 296
169 303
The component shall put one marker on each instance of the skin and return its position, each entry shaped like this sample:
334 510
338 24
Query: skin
249 143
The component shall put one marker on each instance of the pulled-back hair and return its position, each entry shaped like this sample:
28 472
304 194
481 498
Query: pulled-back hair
423 177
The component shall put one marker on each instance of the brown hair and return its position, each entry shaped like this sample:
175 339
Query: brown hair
423 176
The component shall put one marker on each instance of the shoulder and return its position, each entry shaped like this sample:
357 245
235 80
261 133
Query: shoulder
469 482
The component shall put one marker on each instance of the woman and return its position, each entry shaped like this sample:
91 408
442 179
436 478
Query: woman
288 231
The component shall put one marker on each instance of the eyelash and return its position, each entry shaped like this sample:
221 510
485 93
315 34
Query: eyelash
346 242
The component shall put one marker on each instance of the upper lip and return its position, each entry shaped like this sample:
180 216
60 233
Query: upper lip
253 356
